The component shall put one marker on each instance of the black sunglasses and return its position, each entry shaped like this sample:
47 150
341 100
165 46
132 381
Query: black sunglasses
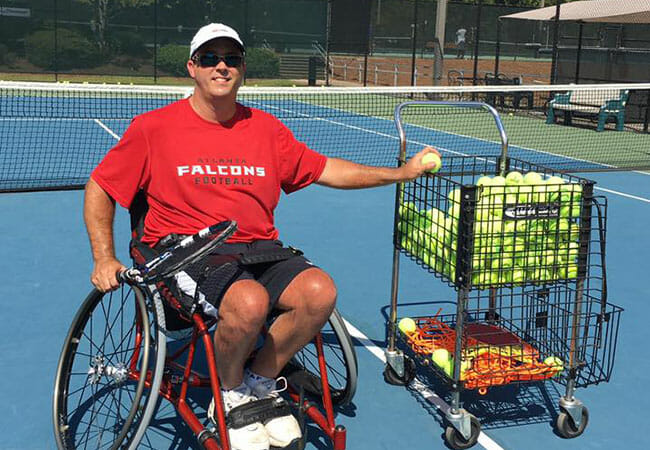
210 59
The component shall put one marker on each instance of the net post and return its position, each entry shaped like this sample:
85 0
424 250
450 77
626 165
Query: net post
155 41
414 36
580 30
556 39
328 29
477 37
497 52
56 40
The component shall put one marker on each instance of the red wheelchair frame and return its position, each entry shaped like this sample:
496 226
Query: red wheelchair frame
97 367
336 433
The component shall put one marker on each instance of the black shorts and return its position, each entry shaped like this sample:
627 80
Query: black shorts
222 268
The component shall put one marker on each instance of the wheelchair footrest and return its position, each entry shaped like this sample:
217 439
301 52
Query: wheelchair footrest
257 411
299 378
298 444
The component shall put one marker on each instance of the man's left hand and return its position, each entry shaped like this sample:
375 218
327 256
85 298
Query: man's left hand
414 167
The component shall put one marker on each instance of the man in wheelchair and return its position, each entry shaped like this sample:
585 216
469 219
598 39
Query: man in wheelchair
206 159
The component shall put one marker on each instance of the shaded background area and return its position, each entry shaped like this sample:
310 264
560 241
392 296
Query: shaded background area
148 39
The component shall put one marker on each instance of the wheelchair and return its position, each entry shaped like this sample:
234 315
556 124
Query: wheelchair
115 371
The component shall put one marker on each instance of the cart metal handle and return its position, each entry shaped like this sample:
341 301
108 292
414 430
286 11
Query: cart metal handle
476 105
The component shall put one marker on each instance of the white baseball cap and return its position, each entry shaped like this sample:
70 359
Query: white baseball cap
214 31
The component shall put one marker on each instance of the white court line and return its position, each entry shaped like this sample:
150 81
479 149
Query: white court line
622 194
108 130
418 386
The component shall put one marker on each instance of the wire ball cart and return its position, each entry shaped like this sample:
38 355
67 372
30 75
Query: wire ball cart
523 247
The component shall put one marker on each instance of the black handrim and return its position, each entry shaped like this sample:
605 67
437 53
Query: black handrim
339 374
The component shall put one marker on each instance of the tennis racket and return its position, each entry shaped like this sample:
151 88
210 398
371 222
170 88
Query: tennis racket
189 250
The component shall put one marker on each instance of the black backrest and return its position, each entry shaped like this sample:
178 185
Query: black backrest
138 211
139 251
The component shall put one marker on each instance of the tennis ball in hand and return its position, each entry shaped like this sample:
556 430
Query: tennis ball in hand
407 325
432 158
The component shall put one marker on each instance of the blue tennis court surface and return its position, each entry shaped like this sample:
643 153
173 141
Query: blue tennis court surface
47 263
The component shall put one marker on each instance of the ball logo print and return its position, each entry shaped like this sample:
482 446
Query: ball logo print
532 211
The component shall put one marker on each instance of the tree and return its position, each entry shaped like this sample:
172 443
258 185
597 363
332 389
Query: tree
104 10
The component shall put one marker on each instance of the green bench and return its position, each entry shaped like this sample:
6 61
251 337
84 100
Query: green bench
603 103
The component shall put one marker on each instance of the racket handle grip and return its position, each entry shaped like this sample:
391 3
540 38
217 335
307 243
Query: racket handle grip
131 275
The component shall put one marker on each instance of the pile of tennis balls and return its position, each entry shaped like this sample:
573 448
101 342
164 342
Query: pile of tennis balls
505 251
445 360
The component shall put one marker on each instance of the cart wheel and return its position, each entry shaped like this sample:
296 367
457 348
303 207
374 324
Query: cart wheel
567 428
457 441
391 377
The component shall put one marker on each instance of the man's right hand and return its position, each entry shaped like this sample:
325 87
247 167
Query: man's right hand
104 276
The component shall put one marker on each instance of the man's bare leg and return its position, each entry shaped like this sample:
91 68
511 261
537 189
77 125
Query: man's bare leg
307 302
242 314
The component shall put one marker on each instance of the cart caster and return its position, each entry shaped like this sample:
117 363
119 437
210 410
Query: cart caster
391 377
457 441
566 426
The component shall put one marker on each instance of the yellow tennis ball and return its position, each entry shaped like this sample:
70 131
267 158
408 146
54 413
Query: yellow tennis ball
532 178
556 363
432 158
465 365
449 367
440 357
514 178
407 325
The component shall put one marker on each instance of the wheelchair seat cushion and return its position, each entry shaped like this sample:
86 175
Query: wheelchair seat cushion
268 262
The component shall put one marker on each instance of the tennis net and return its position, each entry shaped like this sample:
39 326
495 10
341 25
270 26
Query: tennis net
53 135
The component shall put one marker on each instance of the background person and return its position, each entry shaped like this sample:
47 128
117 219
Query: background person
460 43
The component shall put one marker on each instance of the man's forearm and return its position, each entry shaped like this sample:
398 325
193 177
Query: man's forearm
348 175
99 213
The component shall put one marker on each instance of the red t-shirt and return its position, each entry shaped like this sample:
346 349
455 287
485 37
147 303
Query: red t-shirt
196 173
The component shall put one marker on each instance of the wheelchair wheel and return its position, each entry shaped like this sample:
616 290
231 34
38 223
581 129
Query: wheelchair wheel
111 351
340 358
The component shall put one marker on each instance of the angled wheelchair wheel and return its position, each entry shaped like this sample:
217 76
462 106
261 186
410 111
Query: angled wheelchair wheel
340 358
107 372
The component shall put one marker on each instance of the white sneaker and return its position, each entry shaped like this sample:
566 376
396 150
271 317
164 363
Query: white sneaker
284 430
249 437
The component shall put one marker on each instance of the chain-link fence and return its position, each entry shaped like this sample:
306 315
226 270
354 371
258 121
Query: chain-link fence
147 37
386 42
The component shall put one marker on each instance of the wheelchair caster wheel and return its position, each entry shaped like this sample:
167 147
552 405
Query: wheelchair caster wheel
391 377
457 441
567 428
